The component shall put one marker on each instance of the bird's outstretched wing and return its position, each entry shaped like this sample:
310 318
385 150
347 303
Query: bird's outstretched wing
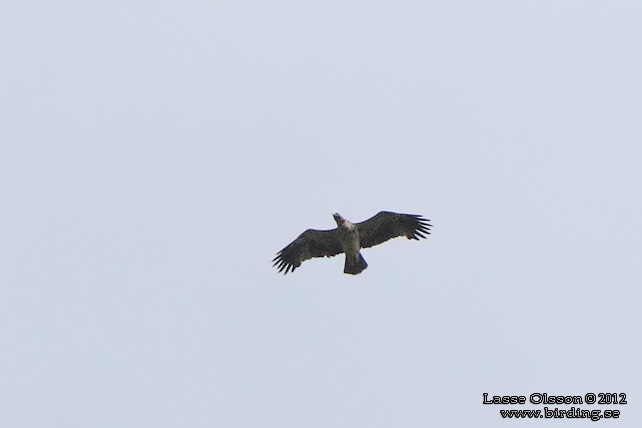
387 225
311 243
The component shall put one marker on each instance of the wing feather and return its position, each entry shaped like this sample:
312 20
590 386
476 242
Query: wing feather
311 243
387 225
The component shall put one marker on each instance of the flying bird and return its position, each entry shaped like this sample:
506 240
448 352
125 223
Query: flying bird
350 238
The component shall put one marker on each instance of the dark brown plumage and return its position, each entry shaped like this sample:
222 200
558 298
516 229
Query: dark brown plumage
349 238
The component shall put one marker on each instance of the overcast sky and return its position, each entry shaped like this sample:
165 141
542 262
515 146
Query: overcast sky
154 156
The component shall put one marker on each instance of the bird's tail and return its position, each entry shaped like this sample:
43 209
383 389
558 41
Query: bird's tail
355 265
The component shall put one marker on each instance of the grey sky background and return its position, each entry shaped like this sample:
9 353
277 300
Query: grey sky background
155 156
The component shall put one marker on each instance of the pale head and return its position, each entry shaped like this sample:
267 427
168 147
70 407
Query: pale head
341 222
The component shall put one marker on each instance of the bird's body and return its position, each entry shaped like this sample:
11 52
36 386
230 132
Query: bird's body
351 245
350 238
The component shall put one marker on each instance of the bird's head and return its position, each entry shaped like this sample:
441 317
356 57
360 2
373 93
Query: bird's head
338 218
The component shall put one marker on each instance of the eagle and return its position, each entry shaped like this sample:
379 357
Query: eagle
350 238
